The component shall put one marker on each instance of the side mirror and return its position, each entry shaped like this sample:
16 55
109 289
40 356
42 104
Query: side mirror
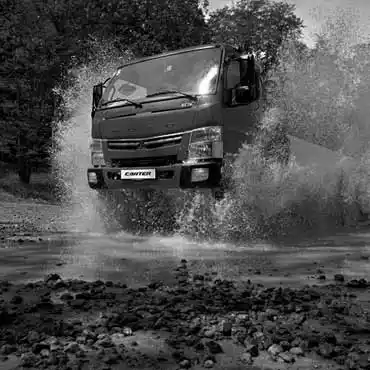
97 95
249 87
243 94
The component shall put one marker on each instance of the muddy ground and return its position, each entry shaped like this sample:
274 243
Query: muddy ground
72 300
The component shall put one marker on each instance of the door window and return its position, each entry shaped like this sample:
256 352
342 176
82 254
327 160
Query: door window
233 74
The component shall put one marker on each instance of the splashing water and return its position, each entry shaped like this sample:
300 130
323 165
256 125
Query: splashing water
317 188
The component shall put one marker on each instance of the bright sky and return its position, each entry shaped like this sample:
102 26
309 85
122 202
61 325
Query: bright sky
304 9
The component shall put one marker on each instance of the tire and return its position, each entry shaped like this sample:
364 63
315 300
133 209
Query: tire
24 172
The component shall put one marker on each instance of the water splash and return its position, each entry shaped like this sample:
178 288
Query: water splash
266 197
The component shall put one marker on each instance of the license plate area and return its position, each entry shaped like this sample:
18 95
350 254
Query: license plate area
138 174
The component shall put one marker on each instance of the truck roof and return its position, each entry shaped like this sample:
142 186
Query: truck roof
183 50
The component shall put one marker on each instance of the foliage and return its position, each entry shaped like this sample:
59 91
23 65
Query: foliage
258 25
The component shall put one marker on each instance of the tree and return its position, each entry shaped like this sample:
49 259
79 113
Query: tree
259 25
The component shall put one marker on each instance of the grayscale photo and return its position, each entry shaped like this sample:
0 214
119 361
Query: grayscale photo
185 184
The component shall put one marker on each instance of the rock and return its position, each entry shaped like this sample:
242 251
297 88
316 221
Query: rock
358 284
7 349
72 347
83 296
45 353
246 358
33 337
297 351
155 285
287 357
213 347
77 303
81 339
185 364
326 350
104 342
321 277
17 299
210 333
28 359
127 331
38 347
66 297
339 278
274 350
52 277
271 313
208 364
118 338
199 346
285 345
252 349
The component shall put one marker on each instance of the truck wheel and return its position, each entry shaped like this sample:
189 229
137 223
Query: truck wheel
24 171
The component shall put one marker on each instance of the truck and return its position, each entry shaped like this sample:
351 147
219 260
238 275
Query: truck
170 121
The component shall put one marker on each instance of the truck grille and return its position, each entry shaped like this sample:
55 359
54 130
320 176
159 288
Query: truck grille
154 143
145 162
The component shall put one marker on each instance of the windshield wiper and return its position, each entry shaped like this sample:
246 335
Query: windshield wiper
136 104
164 92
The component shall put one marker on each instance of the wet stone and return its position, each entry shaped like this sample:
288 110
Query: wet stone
286 357
213 347
52 277
104 342
45 353
358 284
32 337
17 299
252 349
246 358
208 364
38 347
185 364
339 278
274 350
297 351
7 349
210 333
28 360
326 350
72 347
77 303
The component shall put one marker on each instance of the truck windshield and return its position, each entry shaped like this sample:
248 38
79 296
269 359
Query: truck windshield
194 73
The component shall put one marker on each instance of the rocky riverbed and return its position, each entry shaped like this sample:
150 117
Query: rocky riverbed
200 322
197 319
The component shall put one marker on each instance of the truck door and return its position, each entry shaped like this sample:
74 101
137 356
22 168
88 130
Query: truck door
239 119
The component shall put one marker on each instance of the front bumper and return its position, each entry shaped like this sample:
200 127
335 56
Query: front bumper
167 177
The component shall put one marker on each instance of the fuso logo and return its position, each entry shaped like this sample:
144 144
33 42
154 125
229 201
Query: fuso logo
138 173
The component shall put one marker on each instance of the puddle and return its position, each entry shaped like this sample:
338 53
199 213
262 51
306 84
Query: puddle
138 259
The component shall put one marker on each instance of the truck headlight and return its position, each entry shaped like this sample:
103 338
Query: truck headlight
205 143
97 156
